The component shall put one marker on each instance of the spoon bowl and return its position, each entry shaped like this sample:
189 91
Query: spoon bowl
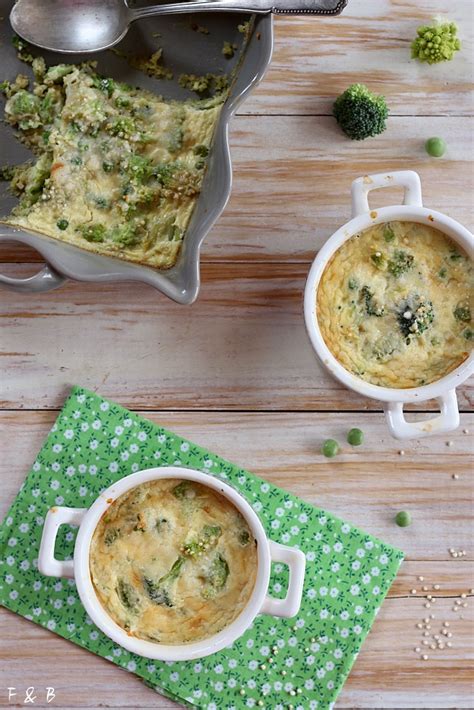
82 26
71 27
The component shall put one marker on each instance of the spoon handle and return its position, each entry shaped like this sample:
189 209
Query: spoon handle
291 7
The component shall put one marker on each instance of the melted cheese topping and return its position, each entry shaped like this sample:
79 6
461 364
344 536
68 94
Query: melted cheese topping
173 561
119 169
394 305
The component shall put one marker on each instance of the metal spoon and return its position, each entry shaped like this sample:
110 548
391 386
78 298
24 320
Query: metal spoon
77 26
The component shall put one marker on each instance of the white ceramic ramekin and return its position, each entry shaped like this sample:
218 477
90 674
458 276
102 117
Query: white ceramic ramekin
412 210
78 568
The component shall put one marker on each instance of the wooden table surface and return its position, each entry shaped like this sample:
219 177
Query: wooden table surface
235 371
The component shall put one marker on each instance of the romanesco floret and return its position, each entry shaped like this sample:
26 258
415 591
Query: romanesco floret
436 43
360 113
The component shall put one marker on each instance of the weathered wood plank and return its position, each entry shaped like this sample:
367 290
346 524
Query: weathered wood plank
315 59
292 178
388 672
366 485
243 345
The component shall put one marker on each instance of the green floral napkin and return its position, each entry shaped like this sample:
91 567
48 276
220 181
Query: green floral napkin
94 443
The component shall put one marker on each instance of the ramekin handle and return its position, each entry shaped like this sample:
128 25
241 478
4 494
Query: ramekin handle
296 561
407 179
448 419
47 563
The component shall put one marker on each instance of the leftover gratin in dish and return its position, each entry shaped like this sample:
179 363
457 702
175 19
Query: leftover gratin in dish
394 305
172 561
118 170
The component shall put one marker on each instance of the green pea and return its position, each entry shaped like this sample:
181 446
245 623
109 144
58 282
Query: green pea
403 519
355 437
330 448
436 147
62 224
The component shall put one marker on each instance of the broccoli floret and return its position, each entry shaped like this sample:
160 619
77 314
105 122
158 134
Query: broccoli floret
244 537
384 347
111 535
125 235
400 263
104 84
372 308
436 43
462 312
207 538
183 490
139 168
201 150
92 232
360 113
23 109
378 260
175 234
414 316
123 127
388 233
215 577
56 74
158 592
127 595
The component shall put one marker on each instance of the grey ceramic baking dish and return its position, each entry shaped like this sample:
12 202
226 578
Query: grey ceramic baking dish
187 49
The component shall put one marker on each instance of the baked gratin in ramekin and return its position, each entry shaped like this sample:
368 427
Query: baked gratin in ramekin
394 304
173 561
